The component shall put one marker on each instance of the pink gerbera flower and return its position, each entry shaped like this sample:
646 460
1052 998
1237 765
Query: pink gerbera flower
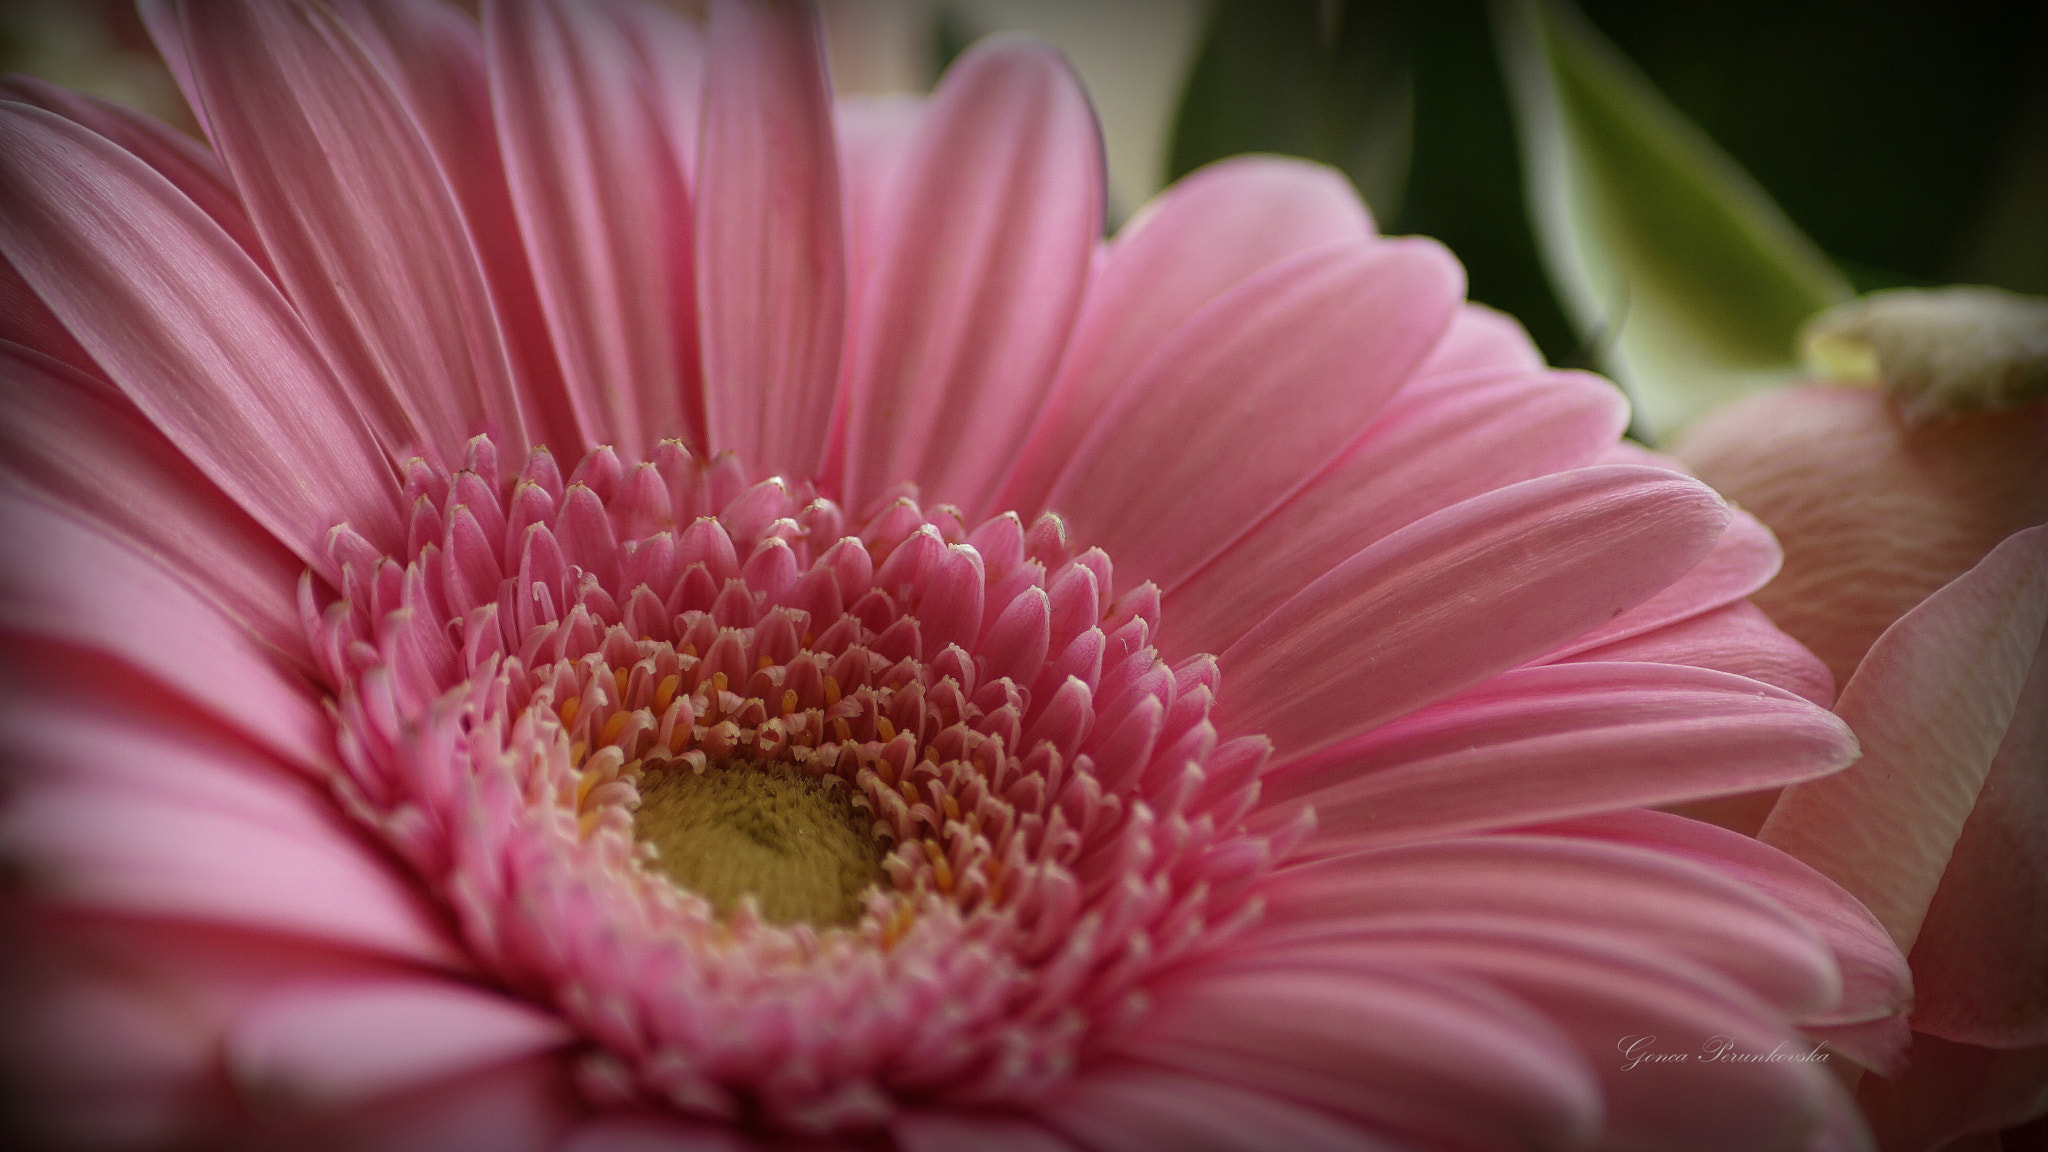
560 599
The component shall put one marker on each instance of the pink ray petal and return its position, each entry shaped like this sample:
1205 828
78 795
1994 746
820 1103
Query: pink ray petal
1209 231
1606 998
119 850
330 1044
524 1106
1459 595
640 1132
1514 749
1135 1108
76 441
80 586
1633 897
603 209
1931 703
876 134
978 277
1482 340
1251 397
434 55
206 348
945 1132
1430 448
1875 982
195 171
358 219
1447 1062
771 248
27 324
1736 638
1743 560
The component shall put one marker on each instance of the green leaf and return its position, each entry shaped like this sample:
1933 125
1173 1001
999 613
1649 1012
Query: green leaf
1671 260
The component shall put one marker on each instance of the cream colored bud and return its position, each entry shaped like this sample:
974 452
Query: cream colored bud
1939 352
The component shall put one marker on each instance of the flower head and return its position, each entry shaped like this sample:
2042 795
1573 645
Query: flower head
630 604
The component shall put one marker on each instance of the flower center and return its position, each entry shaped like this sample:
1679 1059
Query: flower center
796 818
795 844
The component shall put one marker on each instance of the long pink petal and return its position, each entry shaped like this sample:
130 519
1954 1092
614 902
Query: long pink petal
1429 449
183 162
1515 749
358 219
1631 897
1482 340
600 196
1743 560
1420 1054
524 1106
950 1131
434 55
1250 398
203 344
1736 638
67 581
76 441
644 1133
123 850
1980 963
1875 982
1931 702
771 249
1607 998
876 134
1210 230
1135 1108
978 277
1459 595
330 1044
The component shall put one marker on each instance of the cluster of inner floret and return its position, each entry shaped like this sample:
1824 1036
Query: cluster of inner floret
581 708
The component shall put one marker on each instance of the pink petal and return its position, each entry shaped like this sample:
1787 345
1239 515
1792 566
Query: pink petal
1627 896
175 854
977 278
1950 1090
1515 749
1482 340
434 55
875 135
205 346
1209 231
1742 561
1430 448
647 1133
333 1044
69 582
599 193
358 219
1980 963
1605 999
1875 983
1252 396
955 1131
771 249
1444 1061
525 1106
76 441
1134 1108
1736 638
27 324
1459 595
1931 702
184 163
